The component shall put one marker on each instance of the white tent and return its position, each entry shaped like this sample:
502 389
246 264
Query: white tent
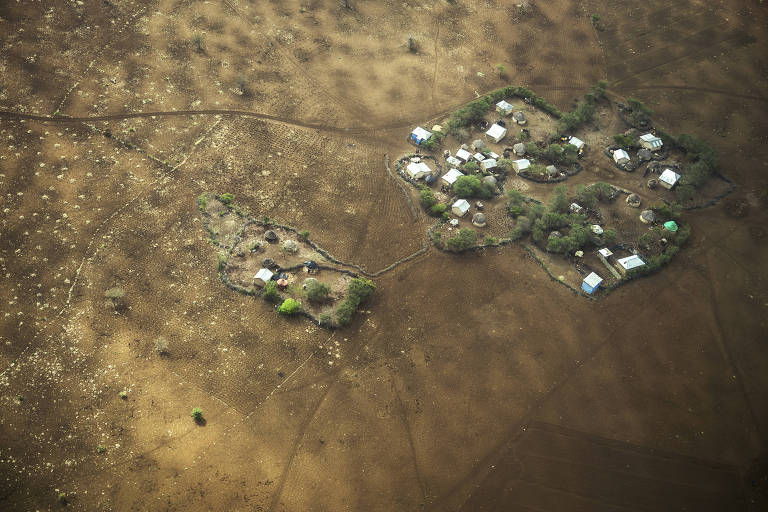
630 262
460 207
417 170
504 108
453 161
575 141
451 176
419 135
668 178
605 252
262 277
488 164
521 165
620 156
650 141
464 155
496 132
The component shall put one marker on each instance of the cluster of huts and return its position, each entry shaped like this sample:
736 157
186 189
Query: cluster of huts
592 282
649 144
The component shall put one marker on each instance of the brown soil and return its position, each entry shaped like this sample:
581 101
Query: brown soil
470 382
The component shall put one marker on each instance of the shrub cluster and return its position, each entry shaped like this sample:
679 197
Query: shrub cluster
317 291
464 240
289 307
472 186
358 291
227 198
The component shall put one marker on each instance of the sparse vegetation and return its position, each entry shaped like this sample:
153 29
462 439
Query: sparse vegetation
304 235
270 291
197 414
624 141
227 198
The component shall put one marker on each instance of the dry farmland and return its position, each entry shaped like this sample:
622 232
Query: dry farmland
468 382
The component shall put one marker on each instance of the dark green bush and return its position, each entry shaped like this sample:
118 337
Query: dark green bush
559 202
624 141
472 186
427 197
317 291
270 292
464 240
437 210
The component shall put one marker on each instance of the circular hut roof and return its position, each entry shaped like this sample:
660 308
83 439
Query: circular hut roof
519 149
489 180
633 200
478 220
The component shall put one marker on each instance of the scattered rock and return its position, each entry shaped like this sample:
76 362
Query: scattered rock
270 236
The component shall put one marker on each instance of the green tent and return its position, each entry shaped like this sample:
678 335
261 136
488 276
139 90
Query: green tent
670 226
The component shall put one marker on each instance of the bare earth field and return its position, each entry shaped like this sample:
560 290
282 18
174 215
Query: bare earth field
468 382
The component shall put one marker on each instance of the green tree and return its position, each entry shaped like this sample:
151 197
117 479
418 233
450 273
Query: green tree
471 186
269 292
289 307
317 291
464 240
427 197
197 414
559 202
438 209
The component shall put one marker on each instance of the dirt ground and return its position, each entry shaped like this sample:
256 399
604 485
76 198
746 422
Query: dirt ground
469 382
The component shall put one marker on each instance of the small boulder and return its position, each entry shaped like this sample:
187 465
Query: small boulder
647 216
270 236
579 254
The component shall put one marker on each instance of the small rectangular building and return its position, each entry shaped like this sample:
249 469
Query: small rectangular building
605 252
504 108
453 161
420 135
629 263
668 178
417 170
493 155
650 141
496 132
577 142
620 156
460 207
489 164
479 157
591 283
263 276
521 165
463 155
451 176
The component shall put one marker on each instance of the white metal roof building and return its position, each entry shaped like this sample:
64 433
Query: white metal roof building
419 135
262 277
460 207
668 178
591 283
464 155
650 141
488 164
451 176
452 160
620 156
575 141
630 262
496 132
504 108
479 157
605 252
417 170
521 165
